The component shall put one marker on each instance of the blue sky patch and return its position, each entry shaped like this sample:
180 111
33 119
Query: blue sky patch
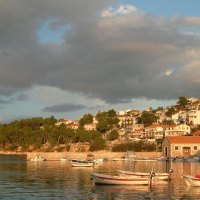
52 35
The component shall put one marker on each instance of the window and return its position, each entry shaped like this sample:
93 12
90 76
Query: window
176 148
195 147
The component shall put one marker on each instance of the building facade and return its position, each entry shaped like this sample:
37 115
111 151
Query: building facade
181 146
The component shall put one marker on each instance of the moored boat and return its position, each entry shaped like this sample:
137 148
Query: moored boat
192 180
38 159
157 176
83 164
119 180
82 161
64 159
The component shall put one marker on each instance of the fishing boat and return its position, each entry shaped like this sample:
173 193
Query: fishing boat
82 164
192 180
82 161
106 179
157 176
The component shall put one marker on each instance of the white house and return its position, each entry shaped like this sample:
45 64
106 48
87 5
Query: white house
194 117
63 121
179 117
154 131
90 126
177 130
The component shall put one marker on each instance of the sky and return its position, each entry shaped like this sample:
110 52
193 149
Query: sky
67 58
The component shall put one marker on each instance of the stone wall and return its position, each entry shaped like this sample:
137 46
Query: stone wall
53 156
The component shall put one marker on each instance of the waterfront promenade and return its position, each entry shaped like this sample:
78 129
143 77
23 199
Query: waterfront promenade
54 156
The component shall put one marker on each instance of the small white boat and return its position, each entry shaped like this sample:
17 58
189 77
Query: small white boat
119 180
79 164
98 160
156 176
38 159
120 159
192 180
64 159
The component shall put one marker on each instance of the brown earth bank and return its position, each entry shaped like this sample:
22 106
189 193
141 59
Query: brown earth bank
54 156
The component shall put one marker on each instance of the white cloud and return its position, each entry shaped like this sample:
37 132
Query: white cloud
126 9
168 72
122 10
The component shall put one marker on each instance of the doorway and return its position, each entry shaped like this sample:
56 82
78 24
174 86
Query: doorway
186 151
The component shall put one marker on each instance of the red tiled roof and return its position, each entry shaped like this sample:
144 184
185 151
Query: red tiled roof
134 111
157 125
184 139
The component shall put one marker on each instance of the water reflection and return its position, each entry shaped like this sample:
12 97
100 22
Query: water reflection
58 180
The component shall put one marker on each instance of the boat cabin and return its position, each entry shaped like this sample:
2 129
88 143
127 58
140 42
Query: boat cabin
181 146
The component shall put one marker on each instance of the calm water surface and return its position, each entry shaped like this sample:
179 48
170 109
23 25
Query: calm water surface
20 179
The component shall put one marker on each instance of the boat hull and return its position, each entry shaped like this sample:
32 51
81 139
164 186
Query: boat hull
192 181
118 180
76 164
156 176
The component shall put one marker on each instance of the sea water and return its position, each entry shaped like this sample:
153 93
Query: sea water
21 179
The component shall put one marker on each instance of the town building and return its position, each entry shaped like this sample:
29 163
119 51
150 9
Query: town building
161 114
194 117
63 121
73 126
177 130
154 131
179 117
90 126
181 146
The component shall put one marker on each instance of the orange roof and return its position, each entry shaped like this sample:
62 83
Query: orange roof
184 139
134 111
156 125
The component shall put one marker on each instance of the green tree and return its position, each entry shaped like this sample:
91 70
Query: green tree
102 126
98 144
182 102
147 118
168 122
112 113
107 121
113 135
86 119
170 111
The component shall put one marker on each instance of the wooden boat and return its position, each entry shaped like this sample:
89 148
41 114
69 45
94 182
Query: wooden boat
119 180
83 164
82 161
156 176
38 159
192 180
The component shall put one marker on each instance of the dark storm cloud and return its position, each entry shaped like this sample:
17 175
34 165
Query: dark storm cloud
111 58
65 107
